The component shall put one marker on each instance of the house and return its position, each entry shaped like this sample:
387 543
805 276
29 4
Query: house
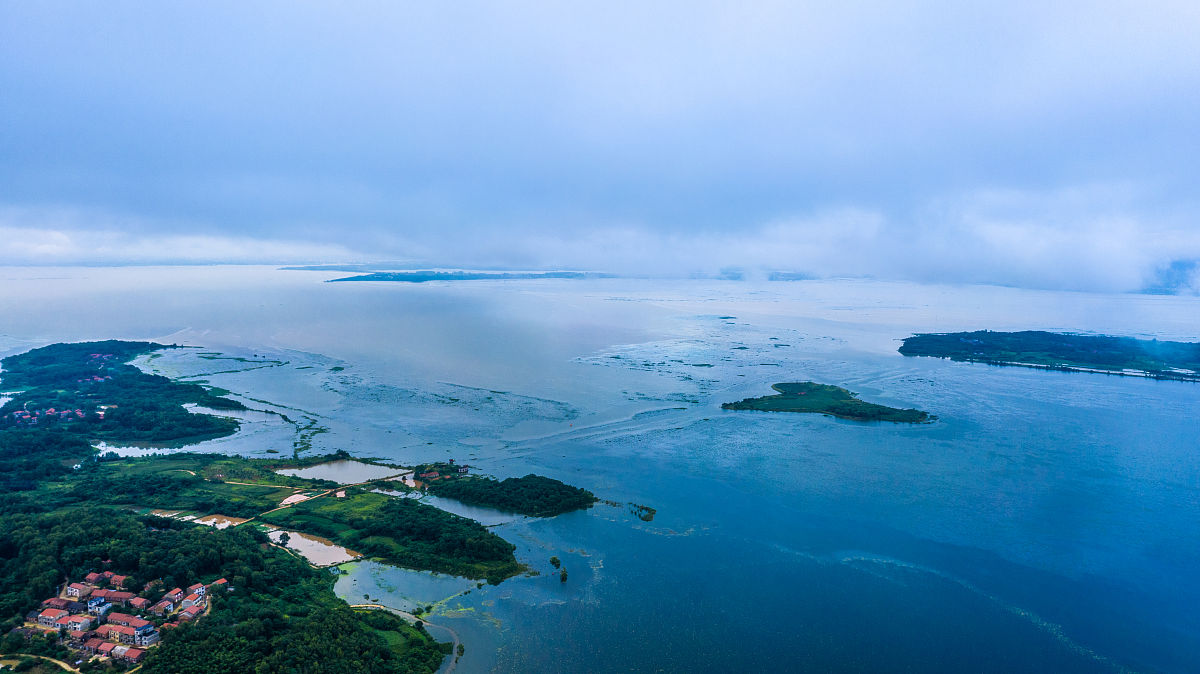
105 648
198 588
50 616
130 621
91 645
190 613
118 596
174 595
122 633
147 638
163 607
219 584
57 602
78 590
135 655
92 578
140 603
117 581
462 469
190 600
98 606
79 623
62 623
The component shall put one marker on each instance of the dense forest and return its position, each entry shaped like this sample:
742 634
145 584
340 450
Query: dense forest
532 495
281 616
1168 360
89 389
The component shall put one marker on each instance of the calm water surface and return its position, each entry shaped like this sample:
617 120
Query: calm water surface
1047 522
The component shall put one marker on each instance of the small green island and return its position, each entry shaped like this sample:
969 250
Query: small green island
835 401
69 512
1125 356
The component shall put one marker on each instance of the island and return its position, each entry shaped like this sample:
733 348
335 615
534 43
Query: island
423 276
1125 356
834 401
93 543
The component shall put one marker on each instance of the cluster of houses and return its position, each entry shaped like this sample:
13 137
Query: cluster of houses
86 614
26 417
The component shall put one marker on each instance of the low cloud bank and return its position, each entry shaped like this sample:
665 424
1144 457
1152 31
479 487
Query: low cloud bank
1079 239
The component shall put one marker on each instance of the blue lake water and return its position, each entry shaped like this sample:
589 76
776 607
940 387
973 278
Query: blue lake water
1046 522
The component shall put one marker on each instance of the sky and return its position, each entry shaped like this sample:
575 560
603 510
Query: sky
1046 145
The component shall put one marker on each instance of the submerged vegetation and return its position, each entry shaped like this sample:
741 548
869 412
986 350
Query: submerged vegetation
817 398
1113 355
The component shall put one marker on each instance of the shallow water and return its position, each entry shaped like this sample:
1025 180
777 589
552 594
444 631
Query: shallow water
343 472
1047 522
318 551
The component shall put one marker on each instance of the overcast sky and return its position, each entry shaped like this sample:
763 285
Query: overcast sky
1035 144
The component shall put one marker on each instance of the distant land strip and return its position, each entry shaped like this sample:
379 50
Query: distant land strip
1123 356
423 276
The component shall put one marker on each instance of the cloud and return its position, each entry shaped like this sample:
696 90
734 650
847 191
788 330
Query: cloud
1019 143
34 237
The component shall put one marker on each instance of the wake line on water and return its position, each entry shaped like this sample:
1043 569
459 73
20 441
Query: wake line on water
1051 628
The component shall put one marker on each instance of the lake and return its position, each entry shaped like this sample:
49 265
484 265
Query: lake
1047 521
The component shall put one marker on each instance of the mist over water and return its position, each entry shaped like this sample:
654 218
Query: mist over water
1046 522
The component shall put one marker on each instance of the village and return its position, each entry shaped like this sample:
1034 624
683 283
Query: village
99 617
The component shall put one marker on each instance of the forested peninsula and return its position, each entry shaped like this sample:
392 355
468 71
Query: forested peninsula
1126 356
68 513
